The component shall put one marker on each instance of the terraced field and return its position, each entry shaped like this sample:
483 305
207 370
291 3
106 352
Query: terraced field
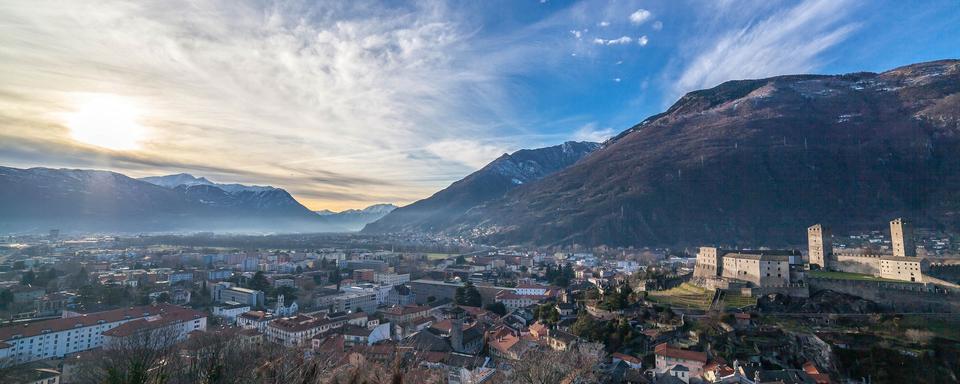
733 300
685 296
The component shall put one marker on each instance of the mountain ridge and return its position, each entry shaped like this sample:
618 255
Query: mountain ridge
753 162
492 181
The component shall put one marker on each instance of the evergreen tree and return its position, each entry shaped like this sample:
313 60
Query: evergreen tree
259 282
468 295
28 278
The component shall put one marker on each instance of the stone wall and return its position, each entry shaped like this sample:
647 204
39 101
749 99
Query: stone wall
865 264
900 297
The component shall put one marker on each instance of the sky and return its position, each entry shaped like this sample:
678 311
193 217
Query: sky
350 103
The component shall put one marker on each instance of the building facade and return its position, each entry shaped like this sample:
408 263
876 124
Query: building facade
58 337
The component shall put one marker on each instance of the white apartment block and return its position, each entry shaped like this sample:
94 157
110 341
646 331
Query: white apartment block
392 279
58 337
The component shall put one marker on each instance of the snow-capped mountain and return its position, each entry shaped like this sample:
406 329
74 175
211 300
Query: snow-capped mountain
354 219
186 179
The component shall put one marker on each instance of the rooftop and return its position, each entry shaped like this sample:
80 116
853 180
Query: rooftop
63 324
664 349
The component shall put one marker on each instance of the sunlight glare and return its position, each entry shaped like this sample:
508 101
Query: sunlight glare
107 121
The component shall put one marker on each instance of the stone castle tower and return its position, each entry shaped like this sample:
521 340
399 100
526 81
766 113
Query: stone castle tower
456 334
820 250
901 238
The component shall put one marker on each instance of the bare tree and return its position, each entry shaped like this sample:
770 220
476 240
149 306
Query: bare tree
544 366
142 357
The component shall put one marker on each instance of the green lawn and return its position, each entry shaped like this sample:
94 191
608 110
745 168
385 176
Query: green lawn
440 256
849 276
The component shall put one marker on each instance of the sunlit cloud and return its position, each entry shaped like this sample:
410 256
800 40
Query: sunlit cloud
640 16
288 89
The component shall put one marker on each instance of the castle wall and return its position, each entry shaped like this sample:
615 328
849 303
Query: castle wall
900 297
865 264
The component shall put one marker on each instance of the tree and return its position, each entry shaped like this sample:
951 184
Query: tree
28 277
289 294
585 326
6 297
79 279
259 282
548 366
547 313
468 295
335 277
497 308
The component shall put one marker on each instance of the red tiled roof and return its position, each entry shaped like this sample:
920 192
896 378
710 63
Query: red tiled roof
172 316
63 324
254 315
627 358
297 323
665 349
405 310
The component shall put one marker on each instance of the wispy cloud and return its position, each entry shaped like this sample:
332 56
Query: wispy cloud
787 41
310 93
618 41
643 40
591 132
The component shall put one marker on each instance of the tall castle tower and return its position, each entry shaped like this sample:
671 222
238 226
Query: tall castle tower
820 249
901 238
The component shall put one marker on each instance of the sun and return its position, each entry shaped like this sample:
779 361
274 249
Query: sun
107 121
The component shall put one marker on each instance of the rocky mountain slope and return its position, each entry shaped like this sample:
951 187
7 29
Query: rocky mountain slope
751 162
490 182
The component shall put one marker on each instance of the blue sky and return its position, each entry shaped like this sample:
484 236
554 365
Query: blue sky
347 104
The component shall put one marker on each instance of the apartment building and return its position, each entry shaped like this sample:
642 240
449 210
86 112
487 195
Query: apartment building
58 337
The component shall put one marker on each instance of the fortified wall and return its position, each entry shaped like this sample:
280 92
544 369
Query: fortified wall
900 297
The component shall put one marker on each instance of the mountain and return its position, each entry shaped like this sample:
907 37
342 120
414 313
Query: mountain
186 179
490 182
354 219
88 200
753 162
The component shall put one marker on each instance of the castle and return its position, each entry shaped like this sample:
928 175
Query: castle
724 269
903 264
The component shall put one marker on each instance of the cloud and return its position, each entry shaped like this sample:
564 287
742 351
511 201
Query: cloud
577 34
618 41
643 40
590 132
787 41
319 97
657 25
604 24
640 16
470 153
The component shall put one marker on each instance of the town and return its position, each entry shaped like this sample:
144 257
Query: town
92 309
